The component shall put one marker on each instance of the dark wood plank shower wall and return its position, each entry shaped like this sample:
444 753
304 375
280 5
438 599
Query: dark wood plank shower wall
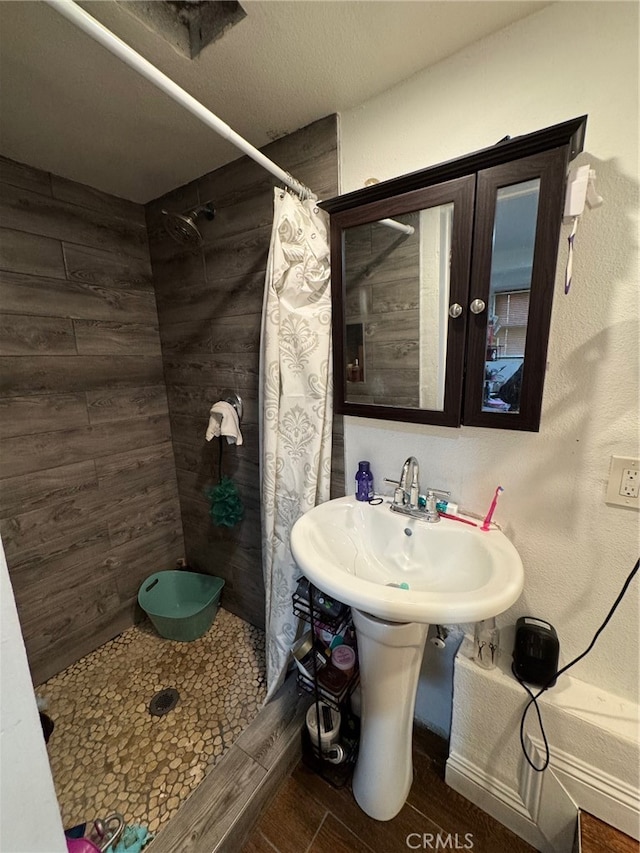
88 493
209 307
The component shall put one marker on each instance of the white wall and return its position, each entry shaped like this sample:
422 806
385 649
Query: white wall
564 61
29 816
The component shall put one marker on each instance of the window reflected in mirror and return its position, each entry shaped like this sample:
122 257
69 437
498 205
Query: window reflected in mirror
514 236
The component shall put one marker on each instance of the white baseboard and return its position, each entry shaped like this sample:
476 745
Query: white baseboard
543 810
494 797
612 800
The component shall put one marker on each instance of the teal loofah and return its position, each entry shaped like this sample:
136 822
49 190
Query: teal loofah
226 505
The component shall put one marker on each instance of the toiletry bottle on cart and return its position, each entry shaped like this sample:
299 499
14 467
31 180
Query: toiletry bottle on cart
364 482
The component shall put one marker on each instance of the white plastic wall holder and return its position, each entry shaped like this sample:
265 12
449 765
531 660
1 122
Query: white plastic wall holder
576 195
581 190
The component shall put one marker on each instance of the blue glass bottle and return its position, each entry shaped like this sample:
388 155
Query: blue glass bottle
364 482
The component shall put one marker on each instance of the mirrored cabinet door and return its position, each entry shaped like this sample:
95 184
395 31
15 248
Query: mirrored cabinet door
517 223
401 343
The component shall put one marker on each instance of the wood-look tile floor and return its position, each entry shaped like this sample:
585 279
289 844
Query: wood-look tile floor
308 815
108 753
596 836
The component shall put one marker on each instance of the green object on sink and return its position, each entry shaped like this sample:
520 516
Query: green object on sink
181 605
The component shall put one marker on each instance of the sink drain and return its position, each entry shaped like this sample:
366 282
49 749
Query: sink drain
164 701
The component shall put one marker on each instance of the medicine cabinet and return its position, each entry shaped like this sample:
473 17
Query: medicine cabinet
442 285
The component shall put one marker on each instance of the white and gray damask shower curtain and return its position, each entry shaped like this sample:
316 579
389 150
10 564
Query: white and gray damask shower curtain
295 405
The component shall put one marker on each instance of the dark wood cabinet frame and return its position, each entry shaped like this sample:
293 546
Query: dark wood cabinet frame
471 183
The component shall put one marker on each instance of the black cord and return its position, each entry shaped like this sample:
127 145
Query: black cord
533 700
220 460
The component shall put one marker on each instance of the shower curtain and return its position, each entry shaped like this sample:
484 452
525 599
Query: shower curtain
295 405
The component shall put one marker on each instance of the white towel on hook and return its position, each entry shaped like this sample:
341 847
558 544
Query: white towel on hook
223 420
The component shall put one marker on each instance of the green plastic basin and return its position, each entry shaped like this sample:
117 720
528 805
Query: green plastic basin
181 605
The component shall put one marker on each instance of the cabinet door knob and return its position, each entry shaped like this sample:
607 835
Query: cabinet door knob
455 310
477 306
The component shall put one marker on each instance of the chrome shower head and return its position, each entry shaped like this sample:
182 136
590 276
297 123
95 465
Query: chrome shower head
182 226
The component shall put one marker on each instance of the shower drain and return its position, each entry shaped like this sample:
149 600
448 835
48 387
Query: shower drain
164 701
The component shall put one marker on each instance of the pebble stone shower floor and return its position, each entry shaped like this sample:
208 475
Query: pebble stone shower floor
109 754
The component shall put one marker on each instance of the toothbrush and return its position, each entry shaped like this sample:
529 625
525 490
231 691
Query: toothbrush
486 524
457 518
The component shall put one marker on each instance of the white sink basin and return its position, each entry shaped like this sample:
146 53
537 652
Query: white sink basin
454 572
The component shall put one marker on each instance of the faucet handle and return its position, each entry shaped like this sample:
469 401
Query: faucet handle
440 492
431 504
398 492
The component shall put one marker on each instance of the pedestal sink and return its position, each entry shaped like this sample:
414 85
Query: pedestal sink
398 574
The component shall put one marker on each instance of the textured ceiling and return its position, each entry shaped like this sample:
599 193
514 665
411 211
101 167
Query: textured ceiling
70 107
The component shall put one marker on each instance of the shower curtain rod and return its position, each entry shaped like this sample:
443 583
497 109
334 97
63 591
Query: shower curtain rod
84 21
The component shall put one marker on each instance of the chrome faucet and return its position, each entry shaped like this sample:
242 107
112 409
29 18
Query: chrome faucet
408 486
406 496
410 482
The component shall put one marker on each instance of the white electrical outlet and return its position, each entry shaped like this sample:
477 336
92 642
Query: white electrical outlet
624 482
630 483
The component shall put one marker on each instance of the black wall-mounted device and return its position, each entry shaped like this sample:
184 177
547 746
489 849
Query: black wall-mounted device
535 652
